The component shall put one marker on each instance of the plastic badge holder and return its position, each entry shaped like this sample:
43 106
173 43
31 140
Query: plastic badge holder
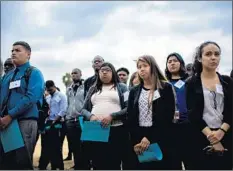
153 153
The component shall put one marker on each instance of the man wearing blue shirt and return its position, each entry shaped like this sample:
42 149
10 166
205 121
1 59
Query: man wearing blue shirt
57 109
18 101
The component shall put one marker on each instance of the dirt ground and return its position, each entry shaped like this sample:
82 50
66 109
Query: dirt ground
36 156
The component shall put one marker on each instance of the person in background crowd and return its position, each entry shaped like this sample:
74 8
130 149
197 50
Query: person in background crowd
123 74
209 102
105 102
189 69
96 63
58 106
19 102
75 96
44 158
8 65
151 107
134 80
176 74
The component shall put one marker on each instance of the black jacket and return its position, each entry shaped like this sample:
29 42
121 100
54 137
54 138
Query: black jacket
163 112
88 83
195 100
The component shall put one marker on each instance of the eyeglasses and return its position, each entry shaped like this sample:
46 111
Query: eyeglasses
105 69
209 150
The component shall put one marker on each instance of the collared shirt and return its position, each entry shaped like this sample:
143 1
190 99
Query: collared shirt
57 105
23 100
75 100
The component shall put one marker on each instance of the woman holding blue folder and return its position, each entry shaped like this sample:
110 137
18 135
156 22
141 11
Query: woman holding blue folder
151 107
106 102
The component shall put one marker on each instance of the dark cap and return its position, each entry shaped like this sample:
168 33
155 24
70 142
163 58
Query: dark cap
24 44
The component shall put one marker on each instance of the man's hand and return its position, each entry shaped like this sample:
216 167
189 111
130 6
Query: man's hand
106 121
5 121
58 118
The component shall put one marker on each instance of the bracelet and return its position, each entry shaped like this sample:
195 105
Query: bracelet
223 130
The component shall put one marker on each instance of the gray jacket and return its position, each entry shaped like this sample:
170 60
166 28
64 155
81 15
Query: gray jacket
75 102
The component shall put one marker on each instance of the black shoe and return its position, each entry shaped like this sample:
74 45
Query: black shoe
68 158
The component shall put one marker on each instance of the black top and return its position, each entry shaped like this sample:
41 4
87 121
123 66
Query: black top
195 100
88 83
163 110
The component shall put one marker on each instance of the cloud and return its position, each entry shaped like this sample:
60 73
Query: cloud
125 32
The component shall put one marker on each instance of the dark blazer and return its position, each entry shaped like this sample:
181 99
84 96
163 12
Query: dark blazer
163 110
195 100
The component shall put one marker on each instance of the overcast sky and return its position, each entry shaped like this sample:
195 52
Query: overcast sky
67 35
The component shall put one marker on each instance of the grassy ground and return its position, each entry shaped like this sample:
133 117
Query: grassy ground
68 164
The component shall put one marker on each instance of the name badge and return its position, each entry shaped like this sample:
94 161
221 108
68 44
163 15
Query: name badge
15 84
126 96
156 95
219 89
179 84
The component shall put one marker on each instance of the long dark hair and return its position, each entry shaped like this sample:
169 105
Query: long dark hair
197 65
182 71
115 80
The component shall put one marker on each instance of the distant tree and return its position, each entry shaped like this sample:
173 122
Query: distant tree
67 80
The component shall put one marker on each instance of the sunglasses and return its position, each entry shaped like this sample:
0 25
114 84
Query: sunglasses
209 150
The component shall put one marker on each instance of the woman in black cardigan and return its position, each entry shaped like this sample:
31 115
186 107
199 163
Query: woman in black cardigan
151 108
209 103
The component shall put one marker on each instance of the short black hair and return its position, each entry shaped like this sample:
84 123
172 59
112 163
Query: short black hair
49 84
24 44
231 75
123 69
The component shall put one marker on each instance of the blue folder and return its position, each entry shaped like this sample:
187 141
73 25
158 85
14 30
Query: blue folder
11 137
153 153
93 131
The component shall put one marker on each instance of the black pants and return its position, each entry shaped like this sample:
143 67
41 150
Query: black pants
204 161
73 136
63 135
52 149
181 147
108 156
44 158
15 160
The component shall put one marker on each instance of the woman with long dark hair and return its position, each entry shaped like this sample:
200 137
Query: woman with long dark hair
105 102
151 107
176 74
209 103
